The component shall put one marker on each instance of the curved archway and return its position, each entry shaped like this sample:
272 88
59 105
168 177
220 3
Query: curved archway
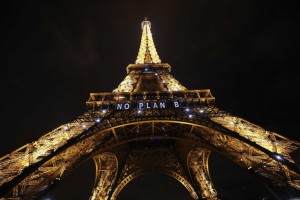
168 172
153 185
214 133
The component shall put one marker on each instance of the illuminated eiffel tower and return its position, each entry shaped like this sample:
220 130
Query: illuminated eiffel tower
150 122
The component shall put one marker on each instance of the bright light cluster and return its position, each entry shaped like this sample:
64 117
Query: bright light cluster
147 52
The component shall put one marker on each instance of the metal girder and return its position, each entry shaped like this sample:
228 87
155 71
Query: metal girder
197 160
106 173
38 165
160 159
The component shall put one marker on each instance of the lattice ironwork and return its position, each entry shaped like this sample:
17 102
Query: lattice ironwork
198 164
160 159
106 174
149 109
147 52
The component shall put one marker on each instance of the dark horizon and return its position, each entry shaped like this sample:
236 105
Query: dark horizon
54 53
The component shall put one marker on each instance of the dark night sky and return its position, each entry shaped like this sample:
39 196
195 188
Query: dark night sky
54 53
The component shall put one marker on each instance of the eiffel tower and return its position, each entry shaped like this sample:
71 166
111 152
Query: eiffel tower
150 123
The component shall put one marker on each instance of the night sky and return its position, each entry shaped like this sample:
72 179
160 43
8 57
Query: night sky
54 53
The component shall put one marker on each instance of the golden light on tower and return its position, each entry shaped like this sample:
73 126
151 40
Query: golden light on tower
147 52
150 122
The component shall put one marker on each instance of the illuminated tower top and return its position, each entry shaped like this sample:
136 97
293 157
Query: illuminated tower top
148 74
147 52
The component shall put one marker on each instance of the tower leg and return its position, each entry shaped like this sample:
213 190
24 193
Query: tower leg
198 167
106 172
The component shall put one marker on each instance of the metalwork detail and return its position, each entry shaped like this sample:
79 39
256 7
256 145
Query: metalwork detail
147 52
158 78
160 159
123 127
188 98
106 172
269 140
128 84
14 163
171 83
198 164
280 146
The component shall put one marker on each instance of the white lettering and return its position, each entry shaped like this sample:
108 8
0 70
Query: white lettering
119 106
147 105
176 104
126 106
162 105
141 105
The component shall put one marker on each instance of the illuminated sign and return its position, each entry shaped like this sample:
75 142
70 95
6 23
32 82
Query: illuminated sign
146 105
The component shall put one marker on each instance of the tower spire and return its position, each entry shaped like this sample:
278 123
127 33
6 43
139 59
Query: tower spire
147 52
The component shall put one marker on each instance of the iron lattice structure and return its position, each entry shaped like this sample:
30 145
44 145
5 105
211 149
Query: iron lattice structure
150 122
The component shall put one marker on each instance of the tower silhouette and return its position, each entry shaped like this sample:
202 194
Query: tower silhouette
150 122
